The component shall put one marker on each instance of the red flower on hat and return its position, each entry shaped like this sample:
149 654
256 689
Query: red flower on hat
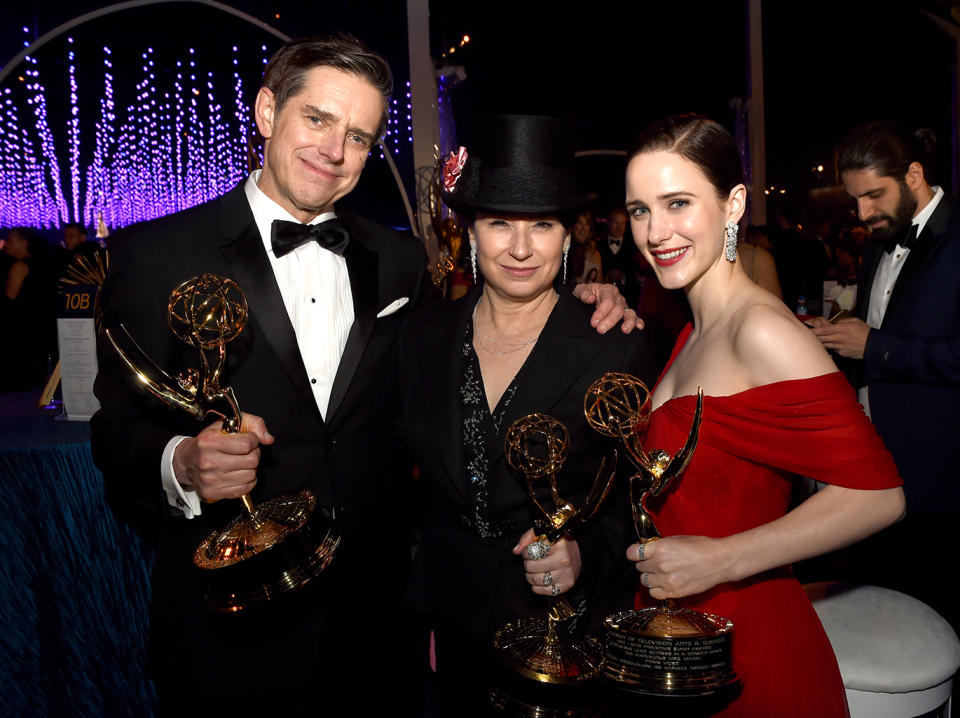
452 168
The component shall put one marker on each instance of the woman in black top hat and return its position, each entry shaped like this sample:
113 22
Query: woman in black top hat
518 343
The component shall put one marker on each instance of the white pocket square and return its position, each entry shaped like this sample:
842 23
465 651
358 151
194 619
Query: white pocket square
393 306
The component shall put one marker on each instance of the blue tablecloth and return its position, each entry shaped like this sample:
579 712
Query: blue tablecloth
74 581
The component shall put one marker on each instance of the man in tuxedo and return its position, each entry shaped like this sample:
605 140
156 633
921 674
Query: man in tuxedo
314 371
617 253
905 348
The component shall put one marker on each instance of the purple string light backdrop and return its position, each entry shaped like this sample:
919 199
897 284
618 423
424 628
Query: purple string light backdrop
181 137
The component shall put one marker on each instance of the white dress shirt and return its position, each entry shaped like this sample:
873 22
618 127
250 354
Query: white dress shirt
315 287
891 263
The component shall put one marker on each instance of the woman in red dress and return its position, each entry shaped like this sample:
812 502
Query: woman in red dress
775 405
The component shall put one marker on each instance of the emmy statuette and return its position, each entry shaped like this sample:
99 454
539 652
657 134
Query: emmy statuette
536 446
272 548
665 650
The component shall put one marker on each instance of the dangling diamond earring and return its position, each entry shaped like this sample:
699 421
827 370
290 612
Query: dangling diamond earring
565 251
473 259
730 241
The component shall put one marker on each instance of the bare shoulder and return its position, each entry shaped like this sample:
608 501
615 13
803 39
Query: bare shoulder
763 256
18 270
772 345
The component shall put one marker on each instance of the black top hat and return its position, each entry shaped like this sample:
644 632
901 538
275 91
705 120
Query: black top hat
518 164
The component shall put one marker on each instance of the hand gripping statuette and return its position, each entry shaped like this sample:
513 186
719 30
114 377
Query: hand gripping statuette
277 546
536 446
664 650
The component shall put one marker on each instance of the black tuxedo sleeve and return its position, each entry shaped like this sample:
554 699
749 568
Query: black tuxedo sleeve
426 292
907 357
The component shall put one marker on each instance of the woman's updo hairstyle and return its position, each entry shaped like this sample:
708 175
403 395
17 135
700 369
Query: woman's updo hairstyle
699 140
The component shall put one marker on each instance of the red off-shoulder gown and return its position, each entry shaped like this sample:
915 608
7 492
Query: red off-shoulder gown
740 477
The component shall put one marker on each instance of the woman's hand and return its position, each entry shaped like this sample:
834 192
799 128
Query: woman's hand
611 307
832 518
679 566
557 572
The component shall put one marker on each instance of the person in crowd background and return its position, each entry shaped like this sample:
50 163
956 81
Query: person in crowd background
840 262
801 263
855 241
617 255
759 264
74 244
584 263
27 309
759 236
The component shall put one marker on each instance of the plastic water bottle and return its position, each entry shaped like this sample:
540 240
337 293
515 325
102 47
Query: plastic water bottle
802 306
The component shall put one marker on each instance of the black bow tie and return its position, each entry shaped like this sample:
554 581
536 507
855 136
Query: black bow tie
906 237
287 236
614 242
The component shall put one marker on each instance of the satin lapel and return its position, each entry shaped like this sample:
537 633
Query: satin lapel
364 286
250 265
441 400
562 353
929 239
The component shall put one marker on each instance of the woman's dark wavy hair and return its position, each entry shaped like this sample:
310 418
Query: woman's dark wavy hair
888 149
699 140
284 74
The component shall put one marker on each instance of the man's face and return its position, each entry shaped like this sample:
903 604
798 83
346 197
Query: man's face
616 224
317 144
884 204
72 237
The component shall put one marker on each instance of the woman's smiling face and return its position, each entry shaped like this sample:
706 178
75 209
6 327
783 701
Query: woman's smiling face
677 218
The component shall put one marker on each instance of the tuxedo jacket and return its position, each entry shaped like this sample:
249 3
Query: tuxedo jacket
567 358
911 364
622 260
349 460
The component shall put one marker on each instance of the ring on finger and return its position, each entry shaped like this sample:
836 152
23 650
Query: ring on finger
645 579
538 550
547 578
642 551
554 590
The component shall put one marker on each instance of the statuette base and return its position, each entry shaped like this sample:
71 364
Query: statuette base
668 651
277 550
525 647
